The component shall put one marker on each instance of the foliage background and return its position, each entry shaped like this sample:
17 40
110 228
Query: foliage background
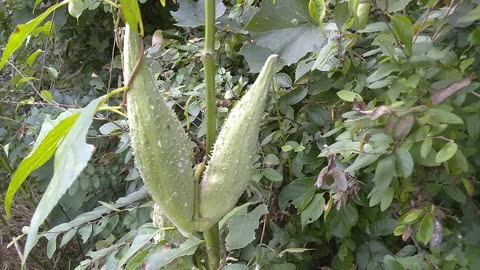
362 163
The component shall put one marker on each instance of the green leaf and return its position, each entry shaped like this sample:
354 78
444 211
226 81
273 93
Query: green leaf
161 256
138 258
384 172
163 2
286 28
299 193
52 245
314 210
391 263
474 37
51 134
317 10
447 152
426 147
392 5
340 222
242 226
72 155
410 217
256 56
387 198
272 174
31 59
444 116
363 160
85 232
349 96
145 233
67 237
131 13
192 14
75 8
404 162
21 32
46 95
403 28
425 229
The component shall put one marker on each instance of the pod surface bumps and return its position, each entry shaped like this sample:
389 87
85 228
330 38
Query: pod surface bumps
160 145
230 167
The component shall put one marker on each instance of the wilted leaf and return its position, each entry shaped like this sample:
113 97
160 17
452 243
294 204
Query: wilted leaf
437 236
403 126
379 111
294 250
440 95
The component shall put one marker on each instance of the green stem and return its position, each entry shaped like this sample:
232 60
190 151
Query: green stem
210 69
212 240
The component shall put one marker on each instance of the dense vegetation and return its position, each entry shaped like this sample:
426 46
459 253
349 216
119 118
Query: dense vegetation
368 156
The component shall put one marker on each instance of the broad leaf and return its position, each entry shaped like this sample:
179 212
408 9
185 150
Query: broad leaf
314 210
131 13
447 152
192 14
75 8
286 28
299 193
404 162
22 31
242 227
425 229
385 172
71 157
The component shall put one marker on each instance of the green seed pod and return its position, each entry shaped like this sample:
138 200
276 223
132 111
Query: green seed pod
160 145
230 167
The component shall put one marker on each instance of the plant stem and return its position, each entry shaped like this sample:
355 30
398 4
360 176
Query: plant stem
213 247
210 69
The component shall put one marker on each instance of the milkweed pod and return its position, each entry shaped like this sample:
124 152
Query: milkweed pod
160 145
230 166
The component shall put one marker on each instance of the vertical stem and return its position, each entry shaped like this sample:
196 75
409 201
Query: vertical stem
210 69
208 57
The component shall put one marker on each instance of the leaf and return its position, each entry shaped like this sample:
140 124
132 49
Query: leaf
286 28
21 32
85 232
317 10
293 251
426 147
72 155
256 56
349 96
145 233
299 193
363 160
387 198
47 95
314 210
403 126
163 2
66 237
52 245
447 152
160 257
425 229
403 28
241 227
131 13
192 14
138 258
75 8
440 95
42 151
444 116
410 217
392 5
272 174
404 162
31 59
384 172
340 222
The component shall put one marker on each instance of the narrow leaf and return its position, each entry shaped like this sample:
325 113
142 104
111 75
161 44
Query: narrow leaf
403 28
161 256
39 155
71 157
23 30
